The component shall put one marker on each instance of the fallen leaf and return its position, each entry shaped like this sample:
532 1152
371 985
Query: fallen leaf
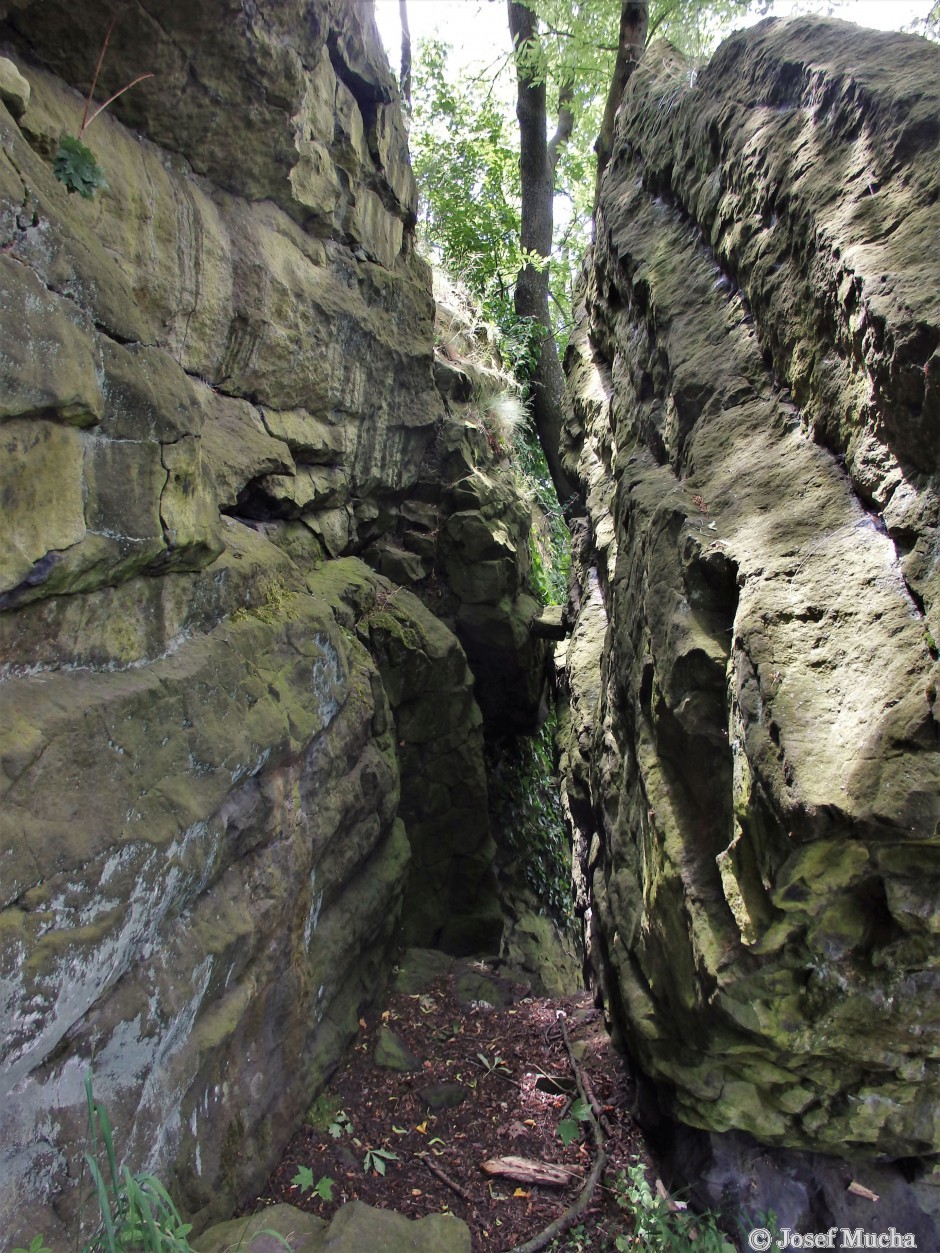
422 1127
520 1192
416 1192
362 1023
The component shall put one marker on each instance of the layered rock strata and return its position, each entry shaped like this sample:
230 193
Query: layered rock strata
237 761
752 765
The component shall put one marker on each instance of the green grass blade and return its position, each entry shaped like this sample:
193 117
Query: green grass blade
134 1188
105 1123
104 1204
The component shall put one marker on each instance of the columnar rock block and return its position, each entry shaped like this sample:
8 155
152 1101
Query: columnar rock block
215 379
752 752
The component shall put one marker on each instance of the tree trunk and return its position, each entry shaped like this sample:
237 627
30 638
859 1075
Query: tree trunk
537 169
634 24
404 77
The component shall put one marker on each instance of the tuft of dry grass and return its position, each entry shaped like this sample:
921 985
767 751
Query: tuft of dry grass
467 341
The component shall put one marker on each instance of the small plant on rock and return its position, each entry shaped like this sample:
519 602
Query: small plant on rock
339 1124
661 1227
74 163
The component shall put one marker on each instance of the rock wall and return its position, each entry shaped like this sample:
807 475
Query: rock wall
751 754
238 759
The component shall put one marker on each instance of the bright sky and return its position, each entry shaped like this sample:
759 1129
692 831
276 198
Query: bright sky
478 29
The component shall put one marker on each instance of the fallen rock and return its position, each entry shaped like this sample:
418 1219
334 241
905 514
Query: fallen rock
419 967
443 1095
355 1228
549 624
392 1053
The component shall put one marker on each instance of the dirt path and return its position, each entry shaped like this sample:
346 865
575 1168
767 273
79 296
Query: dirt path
483 1041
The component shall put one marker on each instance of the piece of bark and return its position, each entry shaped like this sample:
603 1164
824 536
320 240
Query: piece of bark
525 1170
859 1189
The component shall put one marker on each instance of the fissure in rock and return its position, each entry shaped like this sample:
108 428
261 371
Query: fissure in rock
279 699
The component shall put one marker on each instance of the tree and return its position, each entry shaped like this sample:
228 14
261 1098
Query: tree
575 47
634 27
538 158
489 188
404 77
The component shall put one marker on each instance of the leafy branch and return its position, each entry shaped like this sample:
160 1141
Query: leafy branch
74 163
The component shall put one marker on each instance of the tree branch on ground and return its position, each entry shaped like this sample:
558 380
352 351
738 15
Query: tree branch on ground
583 1199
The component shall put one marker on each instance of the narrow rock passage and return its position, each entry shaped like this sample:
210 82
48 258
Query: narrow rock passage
476 1037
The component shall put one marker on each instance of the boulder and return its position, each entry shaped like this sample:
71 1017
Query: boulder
218 800
354 1228
751 743
14 88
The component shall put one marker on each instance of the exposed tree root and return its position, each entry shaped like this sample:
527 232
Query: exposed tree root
583 1199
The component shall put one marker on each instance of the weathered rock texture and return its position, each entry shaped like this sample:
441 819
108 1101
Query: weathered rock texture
752 749
236 760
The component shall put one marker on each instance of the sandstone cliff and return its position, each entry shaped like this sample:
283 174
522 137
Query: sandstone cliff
238 755
752 765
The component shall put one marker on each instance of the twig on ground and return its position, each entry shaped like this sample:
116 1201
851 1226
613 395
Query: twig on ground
580 1204
454 1187
571 1214
595 1105
445 1178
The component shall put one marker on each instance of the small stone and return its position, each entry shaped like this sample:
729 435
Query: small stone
443 1095
474 989
392 1053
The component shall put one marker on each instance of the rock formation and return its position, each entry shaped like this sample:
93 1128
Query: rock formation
240 753
752 765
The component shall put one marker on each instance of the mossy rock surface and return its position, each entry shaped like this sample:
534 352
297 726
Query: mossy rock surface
750 749
354 1228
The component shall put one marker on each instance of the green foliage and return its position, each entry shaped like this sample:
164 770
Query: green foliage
549 540
339 1124
656 1227
74 165
36 1245
492 1064
466 161
570 1127
526 814
376 1159
136 1212
323 1187
465 146
928 26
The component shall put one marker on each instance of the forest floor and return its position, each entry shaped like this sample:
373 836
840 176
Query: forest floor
510 1059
